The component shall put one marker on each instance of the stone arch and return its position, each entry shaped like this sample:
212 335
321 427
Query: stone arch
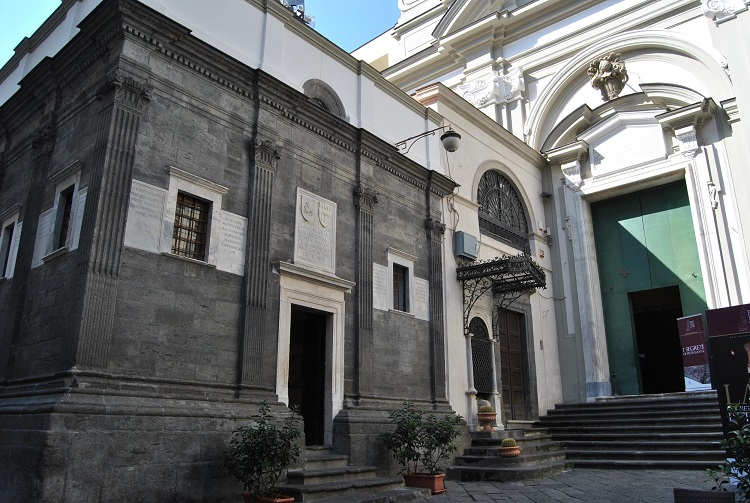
322 95
666 42
503 211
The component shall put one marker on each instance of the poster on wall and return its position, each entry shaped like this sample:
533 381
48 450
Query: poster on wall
729 340
694 353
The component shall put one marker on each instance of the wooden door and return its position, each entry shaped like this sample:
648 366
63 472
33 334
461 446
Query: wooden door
512 369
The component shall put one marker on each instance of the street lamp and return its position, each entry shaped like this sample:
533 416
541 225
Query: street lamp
451 140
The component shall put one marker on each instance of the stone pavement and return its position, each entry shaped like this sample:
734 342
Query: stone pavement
580 485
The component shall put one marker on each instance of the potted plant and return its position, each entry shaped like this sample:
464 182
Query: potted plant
736 470
419 443
486 416
260 451
509 448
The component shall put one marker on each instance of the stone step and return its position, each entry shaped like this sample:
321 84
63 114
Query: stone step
324 458
404 495
653 436
647 428
338 473
526 447
651 464
342 488
497 460
503 474
640 416
671 431
705 421
640 444
643 455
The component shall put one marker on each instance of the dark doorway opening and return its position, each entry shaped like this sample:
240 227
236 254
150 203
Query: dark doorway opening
513 378
655 314
307 367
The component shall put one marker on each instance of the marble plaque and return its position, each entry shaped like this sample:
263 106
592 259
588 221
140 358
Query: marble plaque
631 146
380 287
422 299
145 216
232 243
315 232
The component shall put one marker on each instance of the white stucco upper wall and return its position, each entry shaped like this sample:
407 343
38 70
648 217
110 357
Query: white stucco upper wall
277 44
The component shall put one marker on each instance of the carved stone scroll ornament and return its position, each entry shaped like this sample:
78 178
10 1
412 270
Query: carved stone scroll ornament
723 10
608 74
688 141
494 88
481 92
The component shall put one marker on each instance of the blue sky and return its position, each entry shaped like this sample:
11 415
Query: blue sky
348 23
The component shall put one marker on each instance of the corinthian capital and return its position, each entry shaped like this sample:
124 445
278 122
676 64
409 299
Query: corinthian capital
125 91
365 198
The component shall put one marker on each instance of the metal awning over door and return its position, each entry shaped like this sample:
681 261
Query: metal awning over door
506 277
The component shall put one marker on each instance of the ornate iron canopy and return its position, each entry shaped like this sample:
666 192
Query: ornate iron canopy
507 277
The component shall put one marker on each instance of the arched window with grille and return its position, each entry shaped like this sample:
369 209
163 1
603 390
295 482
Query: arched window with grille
501 211
481 356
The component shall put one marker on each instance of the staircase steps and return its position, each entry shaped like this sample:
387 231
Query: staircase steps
670 431
328 478
541 456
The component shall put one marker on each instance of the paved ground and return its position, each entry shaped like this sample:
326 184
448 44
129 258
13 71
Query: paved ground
580 485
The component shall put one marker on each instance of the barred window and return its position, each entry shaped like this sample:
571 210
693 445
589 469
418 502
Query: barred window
501 210
481 356
400 288
189 236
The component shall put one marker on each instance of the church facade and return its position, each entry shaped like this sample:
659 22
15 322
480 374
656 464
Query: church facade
194 225
637 209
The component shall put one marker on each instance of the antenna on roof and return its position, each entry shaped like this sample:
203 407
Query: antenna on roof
298 8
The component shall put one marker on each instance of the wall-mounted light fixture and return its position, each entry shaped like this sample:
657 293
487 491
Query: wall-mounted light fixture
451 140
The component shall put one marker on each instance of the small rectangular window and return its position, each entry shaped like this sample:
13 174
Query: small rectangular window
189 236
5 248
400 288
62 222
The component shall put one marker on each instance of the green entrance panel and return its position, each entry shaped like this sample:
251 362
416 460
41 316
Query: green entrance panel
644 241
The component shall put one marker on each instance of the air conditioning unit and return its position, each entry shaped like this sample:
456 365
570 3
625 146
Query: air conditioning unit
465 245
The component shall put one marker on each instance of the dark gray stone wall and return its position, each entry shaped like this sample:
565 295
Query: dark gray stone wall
123 372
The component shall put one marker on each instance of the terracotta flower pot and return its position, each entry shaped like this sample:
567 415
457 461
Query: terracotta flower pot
434 483
510 452
251 498
487 418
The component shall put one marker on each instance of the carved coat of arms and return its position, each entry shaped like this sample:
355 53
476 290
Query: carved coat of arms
306 208
325 214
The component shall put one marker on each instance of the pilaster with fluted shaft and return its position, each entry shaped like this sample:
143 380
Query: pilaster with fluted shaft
42 146
364 200
122 100
435 235
257 264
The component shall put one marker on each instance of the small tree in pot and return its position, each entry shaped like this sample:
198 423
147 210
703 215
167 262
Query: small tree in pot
736 470
260 451
420 443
